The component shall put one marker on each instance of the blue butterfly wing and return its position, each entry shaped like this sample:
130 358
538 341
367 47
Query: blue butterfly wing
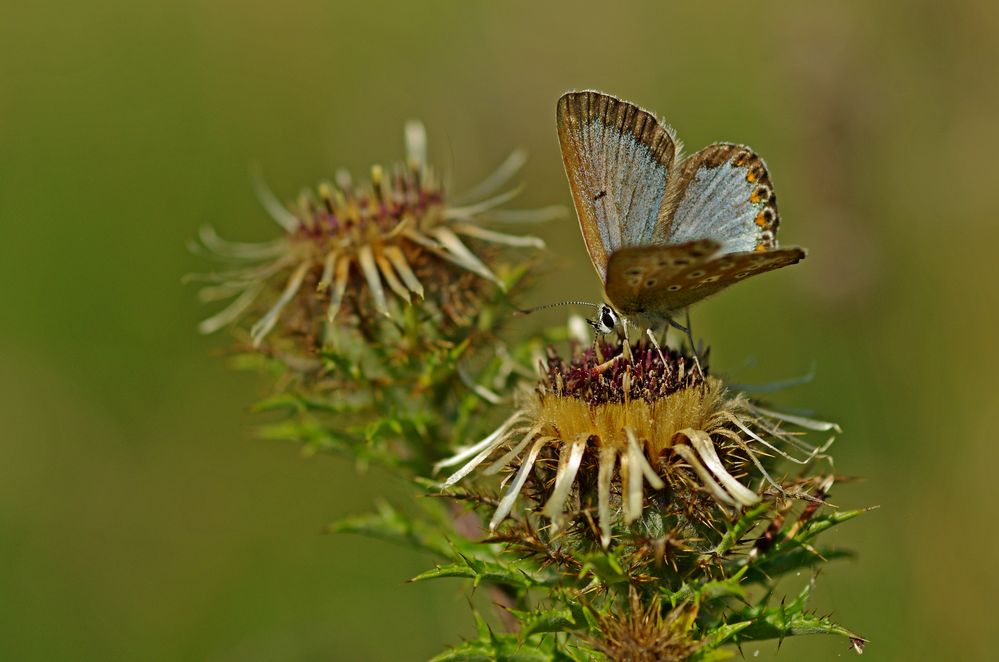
723 193
618 159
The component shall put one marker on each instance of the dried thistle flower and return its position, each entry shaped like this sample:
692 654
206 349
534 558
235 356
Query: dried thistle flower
353 244
617 421
642 633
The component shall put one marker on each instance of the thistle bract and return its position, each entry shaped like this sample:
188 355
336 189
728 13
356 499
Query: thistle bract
617 421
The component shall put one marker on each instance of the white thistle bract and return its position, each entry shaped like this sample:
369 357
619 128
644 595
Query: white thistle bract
623 423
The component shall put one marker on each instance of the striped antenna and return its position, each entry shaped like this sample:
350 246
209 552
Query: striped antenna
528 311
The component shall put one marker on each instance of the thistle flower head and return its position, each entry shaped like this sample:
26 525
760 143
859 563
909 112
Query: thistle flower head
643 633
599 426
367 246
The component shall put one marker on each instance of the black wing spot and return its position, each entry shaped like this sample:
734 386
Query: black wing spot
599 195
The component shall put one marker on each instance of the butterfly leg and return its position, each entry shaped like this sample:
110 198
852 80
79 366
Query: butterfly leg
655 343
627 341
698 349
625 351
690 338
596 350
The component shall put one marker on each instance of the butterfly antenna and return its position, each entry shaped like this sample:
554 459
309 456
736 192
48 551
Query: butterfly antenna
528 311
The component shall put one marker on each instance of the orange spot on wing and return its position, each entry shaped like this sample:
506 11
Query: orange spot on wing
760 248
750 176
761 220
754 197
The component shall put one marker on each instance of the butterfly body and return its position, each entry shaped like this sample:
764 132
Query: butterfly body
663 231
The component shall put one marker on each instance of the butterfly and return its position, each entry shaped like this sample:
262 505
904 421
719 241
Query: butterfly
663 231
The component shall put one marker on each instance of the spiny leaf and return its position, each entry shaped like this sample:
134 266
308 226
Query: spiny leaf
389 524
775 624
787 619
711 590
736 531
349 367
551 620
791 559
310 433
821 523
604 566
716 637
281 401
485 571
505 648
294 402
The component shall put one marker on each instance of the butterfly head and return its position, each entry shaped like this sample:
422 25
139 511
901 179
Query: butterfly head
605 321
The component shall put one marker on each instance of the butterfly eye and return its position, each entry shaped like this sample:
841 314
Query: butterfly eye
608 319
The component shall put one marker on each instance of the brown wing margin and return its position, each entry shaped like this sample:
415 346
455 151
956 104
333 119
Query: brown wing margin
701 281
577 110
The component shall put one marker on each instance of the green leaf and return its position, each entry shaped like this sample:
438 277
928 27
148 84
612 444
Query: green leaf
349 367
480 571
719 635
787 619
469 651
791 559
604 566
821 523
281 401
712 655
311 434
736 531
795 553
389 524
708 591
774 624
552 620
505 649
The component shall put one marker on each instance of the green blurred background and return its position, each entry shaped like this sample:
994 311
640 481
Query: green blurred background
139 516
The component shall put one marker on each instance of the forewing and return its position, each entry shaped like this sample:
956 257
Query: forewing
723 192
617 158
703 279
637 274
